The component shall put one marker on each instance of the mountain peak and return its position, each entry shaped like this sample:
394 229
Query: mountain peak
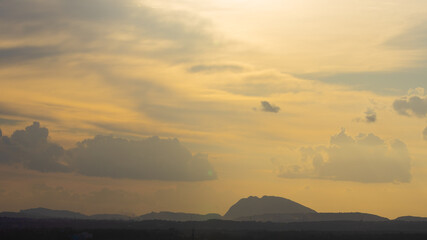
253 205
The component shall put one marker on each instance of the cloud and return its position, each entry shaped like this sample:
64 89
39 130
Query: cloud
414 105
152 158
6 121
125 27
365 158
267 107
425 134
215 68
267 83
412 38
18 110
370 116
31 148
106 156
20 54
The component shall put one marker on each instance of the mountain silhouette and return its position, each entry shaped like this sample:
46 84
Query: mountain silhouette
49 213
411 219
251 209
314 217
172 216
254 206
45 213
109 217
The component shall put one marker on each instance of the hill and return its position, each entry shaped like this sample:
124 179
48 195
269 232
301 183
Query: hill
411 219
172 216
254 206
45 213
314 217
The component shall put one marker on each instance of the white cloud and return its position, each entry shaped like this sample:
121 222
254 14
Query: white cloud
365 158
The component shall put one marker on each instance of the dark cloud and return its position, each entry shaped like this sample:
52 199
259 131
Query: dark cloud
215 68
31 148
365 158
20 54
83 26
152 158
370 116
106 156
19 111
425 134
5 121
413 105
267 107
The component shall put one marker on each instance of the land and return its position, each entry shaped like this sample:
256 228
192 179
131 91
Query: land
250 218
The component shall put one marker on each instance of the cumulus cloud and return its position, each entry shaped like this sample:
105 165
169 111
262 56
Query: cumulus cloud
106 156
415 104
152 158
31 148
267 107
364 158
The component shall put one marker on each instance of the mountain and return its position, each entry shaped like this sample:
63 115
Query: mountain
411 219
265 209
254 206
49 213
172 216
314 217
109 217
45 213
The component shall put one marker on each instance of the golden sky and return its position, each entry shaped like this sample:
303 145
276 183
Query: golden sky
161 105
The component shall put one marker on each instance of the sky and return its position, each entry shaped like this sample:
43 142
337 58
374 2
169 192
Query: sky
134 106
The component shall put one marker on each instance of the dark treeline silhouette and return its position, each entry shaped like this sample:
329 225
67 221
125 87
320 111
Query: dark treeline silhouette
81 224
209 230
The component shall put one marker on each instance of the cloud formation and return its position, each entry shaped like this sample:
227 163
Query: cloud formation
106 156
413 105
365 158
370 116
425 134
267 107
79 26
416 106
31 149
152 158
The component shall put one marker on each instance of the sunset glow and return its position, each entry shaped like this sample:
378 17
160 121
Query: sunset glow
132 106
